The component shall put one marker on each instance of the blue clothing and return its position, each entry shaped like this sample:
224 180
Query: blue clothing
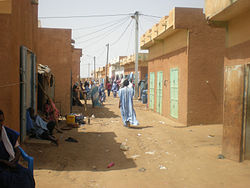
17 177
95 96
126 106
41 123
114 89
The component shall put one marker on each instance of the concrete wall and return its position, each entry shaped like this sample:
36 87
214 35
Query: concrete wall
16 29
76 55
215 6
142 69
174 42
205 73
174 59
239 29
54 50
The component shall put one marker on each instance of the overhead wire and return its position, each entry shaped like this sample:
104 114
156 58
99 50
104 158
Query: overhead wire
129 40
117 26
90 27
83 16
103 35
112 44
91 33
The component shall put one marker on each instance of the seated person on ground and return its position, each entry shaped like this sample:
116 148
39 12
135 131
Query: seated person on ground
12 175
39 128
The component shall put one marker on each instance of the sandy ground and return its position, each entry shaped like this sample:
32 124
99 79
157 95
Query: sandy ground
161 154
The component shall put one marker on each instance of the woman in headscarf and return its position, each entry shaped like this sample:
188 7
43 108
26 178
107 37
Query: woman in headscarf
95 96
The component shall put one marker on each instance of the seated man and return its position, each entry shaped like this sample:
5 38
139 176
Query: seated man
40 128
12 175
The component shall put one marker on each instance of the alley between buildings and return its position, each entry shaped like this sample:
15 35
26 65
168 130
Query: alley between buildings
158 153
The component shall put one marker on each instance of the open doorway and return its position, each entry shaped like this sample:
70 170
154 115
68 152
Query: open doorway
28 86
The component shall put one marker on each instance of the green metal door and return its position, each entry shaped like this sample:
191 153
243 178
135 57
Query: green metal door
174 96
159 92
152 90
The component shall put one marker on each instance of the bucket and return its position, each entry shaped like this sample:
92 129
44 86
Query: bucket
70 119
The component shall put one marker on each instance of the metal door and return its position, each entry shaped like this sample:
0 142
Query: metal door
159 92
233 112
174 92
28 86
152 90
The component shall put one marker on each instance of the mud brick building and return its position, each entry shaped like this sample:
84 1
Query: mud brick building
129 65
185 67
18 48
234 16
55 50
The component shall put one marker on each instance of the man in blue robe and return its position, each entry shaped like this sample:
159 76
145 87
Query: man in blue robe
126 105
12 175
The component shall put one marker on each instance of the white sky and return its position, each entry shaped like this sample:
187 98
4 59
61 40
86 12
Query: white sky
93 33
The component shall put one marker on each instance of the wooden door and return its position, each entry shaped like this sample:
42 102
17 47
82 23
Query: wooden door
233 112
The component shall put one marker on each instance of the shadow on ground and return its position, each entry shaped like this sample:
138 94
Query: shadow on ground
93 152
99 111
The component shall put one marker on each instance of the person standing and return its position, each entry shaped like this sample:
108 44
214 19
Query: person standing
126 105
109 88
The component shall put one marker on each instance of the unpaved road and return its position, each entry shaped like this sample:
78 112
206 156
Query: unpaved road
160 155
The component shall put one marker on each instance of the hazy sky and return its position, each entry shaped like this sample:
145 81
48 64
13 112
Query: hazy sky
93 33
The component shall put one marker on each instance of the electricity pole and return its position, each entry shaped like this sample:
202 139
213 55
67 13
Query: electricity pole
94 68
106 65
136 17
88 70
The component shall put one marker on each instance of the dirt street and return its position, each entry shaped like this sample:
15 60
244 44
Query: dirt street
160 154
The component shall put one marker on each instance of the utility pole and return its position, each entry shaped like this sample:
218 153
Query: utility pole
136 17
88 70
94 68
106 65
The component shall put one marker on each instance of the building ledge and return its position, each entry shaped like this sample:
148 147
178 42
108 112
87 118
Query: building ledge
232 10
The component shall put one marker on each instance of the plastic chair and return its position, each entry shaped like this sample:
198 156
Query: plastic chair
27 158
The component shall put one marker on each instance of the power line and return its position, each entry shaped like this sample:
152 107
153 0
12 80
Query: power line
152 16
103 36
131 32
101 29
90 27
112 44
84 16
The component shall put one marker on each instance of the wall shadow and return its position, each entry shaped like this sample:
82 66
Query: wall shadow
93 152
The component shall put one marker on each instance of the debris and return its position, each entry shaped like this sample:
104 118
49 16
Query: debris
167 153
190 130
220 156
142 170
111 164
93 116
162 122
124 147
135 156
107 150
162 167
70 139
150 152
94 167
138 134
210 136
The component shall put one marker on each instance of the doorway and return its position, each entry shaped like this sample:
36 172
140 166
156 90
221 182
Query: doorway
151 90
27 87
